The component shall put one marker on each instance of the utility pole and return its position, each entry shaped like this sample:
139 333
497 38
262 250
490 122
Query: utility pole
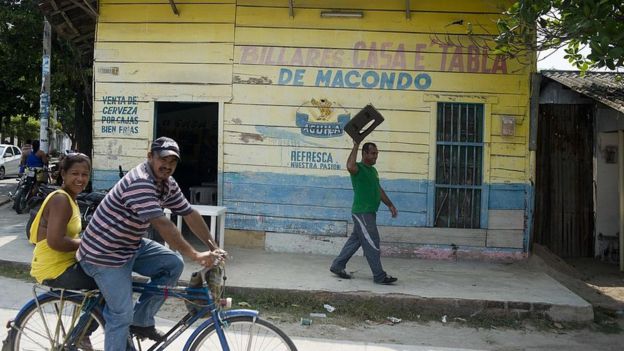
44 99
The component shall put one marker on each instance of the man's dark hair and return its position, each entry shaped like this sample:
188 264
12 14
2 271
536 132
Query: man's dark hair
366 147
28 141
35 146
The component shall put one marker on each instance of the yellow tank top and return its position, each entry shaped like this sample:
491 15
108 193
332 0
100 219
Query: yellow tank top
48 263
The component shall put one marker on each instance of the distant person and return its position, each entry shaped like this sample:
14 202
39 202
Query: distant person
56 227
27 147
26 150
367 196
36 158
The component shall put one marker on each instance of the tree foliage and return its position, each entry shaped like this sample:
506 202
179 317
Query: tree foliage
21 32
23 127
20 63
538 25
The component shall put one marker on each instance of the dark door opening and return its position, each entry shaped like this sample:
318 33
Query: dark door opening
195 126
564 202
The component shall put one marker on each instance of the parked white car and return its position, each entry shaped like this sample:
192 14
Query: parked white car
10 156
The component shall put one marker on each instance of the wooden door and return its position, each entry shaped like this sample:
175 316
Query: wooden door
563 188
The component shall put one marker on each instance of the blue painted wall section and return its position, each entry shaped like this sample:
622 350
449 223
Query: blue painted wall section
315 205
508 196
322 205
105 179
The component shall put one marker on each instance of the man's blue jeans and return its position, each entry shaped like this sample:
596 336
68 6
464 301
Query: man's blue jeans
152 260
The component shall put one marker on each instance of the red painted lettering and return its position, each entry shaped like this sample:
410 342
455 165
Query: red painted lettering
443 60
280 58
263 55
457 61
500 64
312 57
385 55
338 58
484 61
297 59
269 57
356 61
325 57
249 55
473 59
418 57
372 61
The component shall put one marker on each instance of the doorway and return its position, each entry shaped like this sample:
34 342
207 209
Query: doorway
195 126
564 200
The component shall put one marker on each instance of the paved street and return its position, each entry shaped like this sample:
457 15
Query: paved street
7 185
425 337
14 293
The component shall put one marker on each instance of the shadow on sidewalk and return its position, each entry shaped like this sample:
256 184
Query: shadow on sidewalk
599 283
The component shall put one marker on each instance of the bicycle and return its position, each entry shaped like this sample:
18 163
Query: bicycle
72 320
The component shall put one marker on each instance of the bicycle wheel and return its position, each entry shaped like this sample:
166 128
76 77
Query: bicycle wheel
242 333
49 326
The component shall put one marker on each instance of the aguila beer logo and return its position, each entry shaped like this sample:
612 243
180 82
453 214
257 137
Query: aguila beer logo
322 118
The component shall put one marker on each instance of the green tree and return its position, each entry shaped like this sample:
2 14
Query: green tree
21 30
20 62
538 25
23 127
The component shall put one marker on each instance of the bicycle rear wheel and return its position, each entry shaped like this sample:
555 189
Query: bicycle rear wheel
49 326
19 199
243 333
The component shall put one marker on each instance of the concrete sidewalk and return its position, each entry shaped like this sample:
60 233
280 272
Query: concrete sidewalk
463 288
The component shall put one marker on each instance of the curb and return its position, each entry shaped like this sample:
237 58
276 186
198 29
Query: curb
17 265
410 306
4 200
406 305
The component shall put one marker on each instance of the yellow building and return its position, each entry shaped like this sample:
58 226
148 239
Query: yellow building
257 92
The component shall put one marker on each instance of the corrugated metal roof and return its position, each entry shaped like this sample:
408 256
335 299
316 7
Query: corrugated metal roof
606 87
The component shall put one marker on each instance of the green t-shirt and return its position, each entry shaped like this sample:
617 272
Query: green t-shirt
367 195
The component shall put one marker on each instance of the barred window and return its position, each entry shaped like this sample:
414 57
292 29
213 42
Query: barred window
459 165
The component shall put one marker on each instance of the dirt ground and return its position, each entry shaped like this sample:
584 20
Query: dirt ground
599 283
526 335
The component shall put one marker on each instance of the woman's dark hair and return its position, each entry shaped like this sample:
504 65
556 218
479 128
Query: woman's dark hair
71 159
35 146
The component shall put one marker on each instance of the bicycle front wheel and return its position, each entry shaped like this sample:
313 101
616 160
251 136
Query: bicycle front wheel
242 333
53 326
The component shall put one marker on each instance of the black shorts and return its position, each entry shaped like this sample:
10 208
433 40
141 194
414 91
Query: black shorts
73 278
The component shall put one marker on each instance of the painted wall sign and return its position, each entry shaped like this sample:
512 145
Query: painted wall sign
120 115
321 119
313 159
382 56
355 79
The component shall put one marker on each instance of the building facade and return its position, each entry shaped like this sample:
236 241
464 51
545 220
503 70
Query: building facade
257 93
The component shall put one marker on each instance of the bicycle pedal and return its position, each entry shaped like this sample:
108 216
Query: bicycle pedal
138 337
142 333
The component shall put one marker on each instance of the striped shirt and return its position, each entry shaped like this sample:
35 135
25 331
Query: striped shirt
114 233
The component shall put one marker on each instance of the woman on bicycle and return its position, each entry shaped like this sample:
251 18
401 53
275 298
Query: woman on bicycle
56 227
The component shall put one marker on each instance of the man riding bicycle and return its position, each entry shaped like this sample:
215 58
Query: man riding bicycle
113 246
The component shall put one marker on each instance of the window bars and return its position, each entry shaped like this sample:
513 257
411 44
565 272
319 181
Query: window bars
459 165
